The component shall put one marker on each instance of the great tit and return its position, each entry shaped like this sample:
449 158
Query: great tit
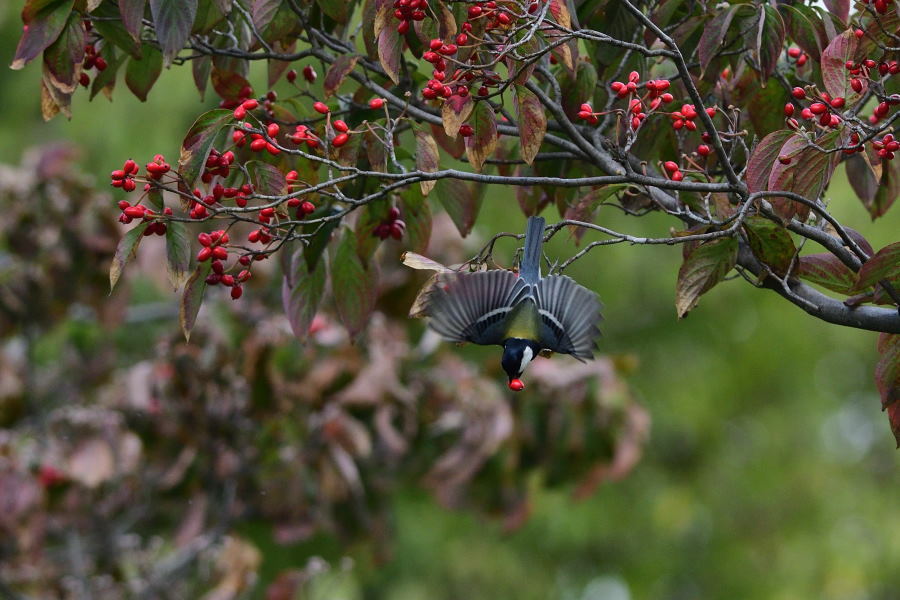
524 313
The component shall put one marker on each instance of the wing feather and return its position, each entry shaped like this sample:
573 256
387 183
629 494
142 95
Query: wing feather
570 316
472 307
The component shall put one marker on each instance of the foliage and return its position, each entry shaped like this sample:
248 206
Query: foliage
732 120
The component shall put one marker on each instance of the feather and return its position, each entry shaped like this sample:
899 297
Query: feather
570 315
473 307
530 265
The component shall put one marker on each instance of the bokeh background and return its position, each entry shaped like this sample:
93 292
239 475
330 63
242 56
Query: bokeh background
770 471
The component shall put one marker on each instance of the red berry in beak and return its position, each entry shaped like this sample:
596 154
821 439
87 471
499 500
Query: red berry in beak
516 385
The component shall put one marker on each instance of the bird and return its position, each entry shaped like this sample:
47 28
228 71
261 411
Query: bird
524 313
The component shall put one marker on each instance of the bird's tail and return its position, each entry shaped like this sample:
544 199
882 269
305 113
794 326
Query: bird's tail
530 267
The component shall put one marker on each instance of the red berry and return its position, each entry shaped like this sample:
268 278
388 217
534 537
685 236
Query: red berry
466 130
339 140
291 76
309 73
321 107
376 103
237 290
340 126
516 385
784 159
788 110
670 166
204 254
220 253
204 239
798 93
703 150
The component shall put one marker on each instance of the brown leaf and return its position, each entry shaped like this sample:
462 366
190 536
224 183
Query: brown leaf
454 113
532 121
427 158
339 70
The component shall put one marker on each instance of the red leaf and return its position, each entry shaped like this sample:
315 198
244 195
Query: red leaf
427 158
807 173
763 157
390 44
828 271
44 21
769 42
834 74
227 84
839 8
339 69
560 11
884 265
532 122
125 252
455 111
454 146
482 143
132 12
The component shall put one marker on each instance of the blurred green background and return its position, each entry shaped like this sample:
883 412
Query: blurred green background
770 470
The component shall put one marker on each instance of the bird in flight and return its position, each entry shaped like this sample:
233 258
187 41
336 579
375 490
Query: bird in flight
523 313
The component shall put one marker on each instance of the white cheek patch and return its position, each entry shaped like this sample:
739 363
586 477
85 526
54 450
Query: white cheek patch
527 355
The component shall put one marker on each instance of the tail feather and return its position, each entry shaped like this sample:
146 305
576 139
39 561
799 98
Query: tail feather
530 266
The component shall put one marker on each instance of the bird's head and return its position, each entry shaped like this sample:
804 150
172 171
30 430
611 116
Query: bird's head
517 353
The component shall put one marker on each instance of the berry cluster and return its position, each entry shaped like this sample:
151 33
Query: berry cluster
655 96
92 60
886 147
392 226
304 207
685 117
213 247
587 114
822 108
493 16
673 170
409 10
797 55
124 177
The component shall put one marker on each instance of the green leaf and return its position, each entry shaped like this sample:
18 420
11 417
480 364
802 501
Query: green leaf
427 158
126 250
828 271
178 253
192 298
887 379
462 201
702 269
301 293
715 32
354 287
109 24
805 28
267 179
416 213
884 265
320 240
199 141
44 21
200 70
62 59
578 90
532 121
769 42
140 75
339 10
482 143
771 243
263 11
173 20
371 215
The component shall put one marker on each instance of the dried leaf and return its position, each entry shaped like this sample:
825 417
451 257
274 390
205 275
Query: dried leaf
482 143
427 158
532 121
340 68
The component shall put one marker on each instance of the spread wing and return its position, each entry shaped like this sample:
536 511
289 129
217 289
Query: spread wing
472 307
570 316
